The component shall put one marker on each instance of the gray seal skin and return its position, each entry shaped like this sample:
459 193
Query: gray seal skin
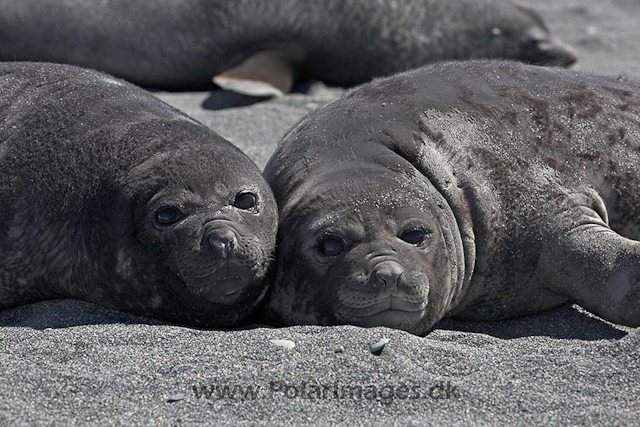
110 195
480 190
183 44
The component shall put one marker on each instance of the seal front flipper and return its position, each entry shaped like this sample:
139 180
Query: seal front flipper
264 74
593 266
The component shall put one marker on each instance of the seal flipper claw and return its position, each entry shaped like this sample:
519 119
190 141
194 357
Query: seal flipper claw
265 74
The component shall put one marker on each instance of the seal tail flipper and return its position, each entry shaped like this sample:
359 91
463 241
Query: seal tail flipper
596 268
264 74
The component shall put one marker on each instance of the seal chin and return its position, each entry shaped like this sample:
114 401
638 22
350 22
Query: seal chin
225 271
227 290
392 318
390 311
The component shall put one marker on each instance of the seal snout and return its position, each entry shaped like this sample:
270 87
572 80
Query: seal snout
222 241
553 53
387 274
387 287
391 294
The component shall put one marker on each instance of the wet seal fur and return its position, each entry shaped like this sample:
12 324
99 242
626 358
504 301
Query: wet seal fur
480 190
110 195
183 44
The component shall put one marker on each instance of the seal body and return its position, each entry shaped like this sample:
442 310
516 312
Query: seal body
183 44
111 196
480 190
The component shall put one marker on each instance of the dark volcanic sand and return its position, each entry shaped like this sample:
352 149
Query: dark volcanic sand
69 362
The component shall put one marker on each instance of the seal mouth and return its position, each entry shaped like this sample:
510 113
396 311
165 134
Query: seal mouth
222 254
391 318
226 290
207 281
390 304
223 272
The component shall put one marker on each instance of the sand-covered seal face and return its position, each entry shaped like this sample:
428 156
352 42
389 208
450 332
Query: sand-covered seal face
367 254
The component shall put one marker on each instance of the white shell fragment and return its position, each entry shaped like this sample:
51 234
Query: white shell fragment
284 343
377 347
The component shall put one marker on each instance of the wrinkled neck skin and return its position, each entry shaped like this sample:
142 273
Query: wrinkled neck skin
369 202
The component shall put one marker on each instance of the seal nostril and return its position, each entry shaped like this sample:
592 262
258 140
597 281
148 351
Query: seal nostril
222 242
388 273
219 248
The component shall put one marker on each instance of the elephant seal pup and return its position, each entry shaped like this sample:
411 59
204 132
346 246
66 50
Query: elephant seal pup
111 196
183 44
479 190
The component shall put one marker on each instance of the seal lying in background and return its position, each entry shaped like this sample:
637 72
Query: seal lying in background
111 196
480 190
183 44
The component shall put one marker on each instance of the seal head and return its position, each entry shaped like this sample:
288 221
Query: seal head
519 33
210 227
372 243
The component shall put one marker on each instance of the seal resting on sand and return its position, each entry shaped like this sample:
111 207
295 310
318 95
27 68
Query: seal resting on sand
183 44
480 190
110 195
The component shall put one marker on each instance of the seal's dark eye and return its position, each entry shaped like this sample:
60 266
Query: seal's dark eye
414 237
168 216
245 200
331 246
